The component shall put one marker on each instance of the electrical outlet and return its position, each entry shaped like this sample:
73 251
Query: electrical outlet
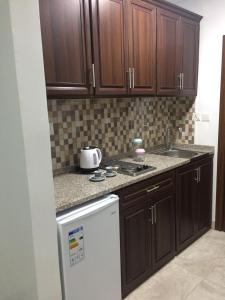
205 118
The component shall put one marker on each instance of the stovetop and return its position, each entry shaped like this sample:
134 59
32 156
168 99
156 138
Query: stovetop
128 168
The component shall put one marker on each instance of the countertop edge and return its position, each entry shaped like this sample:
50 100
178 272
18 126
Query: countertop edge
136 179
78 202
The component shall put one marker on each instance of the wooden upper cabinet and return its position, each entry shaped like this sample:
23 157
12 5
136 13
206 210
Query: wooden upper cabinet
109 47
118 47
189 43
167 53
66 43
142 47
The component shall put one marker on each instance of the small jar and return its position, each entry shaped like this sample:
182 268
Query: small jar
138 151
140 155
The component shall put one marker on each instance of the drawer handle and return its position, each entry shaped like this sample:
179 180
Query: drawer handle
153 189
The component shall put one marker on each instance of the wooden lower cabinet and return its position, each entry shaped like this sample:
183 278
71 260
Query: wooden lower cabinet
193 201
204 196
163 230
136 245
147 228
186 205
161 216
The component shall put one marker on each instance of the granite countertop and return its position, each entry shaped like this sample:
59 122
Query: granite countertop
74 189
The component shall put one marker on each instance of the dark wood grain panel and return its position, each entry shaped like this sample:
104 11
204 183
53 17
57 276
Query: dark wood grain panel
194 201
66 46
220 190
110 47
142 46
135 245
168 62
189 40
138 232
135 228
186 205
204 196
164 229
129 194
176 9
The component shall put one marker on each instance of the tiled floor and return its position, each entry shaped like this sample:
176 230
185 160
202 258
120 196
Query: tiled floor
198 273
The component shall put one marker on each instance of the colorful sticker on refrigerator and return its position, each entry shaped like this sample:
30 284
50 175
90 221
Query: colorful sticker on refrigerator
76 245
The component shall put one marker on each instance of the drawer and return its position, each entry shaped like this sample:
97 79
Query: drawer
147 189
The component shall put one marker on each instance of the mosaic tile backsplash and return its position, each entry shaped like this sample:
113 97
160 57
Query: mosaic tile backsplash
111 124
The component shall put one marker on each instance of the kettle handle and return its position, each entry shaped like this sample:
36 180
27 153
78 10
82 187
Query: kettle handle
99 154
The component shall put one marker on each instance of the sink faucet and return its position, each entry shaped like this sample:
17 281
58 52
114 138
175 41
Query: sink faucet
168 138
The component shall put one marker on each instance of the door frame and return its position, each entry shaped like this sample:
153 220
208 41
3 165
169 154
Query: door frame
220 192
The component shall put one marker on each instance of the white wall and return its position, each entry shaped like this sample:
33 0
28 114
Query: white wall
28 245
208 99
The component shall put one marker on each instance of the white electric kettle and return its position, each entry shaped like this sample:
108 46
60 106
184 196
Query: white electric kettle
90 158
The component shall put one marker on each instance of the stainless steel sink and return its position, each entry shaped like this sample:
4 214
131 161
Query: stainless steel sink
177 153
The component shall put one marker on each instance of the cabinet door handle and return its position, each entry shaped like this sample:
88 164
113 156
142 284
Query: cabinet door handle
199 174
93 75
180 81
155 213
133 78
151 217
130 79
153 189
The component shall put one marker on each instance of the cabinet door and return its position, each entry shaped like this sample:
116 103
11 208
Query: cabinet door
168 68
135 245
186 205
164 229
66 43
109 46
189 39
204 196
142 46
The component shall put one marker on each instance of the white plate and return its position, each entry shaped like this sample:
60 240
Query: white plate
96 179
113 174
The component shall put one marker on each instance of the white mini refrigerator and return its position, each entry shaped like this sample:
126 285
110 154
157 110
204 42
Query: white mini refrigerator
89 249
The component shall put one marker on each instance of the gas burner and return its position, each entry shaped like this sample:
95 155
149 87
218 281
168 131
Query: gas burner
128 168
